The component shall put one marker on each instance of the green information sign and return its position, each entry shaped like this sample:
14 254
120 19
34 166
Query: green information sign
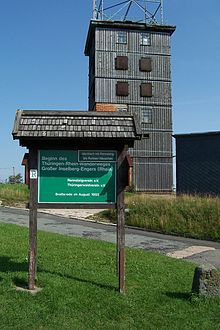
84 176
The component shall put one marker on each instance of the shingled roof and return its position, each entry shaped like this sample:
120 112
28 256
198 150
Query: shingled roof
49 124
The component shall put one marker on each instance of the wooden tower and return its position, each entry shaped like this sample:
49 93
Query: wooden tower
130 71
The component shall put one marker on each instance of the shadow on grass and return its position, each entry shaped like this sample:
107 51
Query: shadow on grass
82 280
20 282
8 265
179 295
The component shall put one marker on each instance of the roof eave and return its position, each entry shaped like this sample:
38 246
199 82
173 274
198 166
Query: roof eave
196 134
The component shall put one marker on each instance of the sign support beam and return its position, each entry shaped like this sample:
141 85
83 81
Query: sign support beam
121 178
121 243
32 222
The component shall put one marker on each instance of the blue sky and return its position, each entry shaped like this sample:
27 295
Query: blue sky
42 64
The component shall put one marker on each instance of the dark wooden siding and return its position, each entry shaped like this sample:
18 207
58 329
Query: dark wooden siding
198 164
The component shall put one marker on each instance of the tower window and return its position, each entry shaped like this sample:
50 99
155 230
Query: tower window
145 39
145 64
146 90
121 63
121 37
122 88
146 116
122 107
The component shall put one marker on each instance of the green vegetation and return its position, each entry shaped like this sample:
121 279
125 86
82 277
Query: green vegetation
14 194
190 216
80 287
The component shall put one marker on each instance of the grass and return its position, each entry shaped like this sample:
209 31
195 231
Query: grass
80 287
190 216
13 194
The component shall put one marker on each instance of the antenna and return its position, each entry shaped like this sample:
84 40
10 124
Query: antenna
94 10
147 11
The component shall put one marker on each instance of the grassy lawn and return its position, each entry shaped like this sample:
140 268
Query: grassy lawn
190 216
80 287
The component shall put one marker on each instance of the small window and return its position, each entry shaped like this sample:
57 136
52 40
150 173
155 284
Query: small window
145 64
146 116
121 63
122 88
122 107
122 37
145 39
123 110
146 90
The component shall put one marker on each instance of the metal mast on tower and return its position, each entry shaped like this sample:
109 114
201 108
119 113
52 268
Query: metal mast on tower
147 11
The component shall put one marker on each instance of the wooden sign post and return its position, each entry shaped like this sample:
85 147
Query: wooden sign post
121 242
122 183
71 167
32 255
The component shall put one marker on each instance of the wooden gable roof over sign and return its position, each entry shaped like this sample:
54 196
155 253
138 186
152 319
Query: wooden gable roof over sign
45 125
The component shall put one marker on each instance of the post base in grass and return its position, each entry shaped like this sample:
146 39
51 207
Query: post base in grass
26 289
206 281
